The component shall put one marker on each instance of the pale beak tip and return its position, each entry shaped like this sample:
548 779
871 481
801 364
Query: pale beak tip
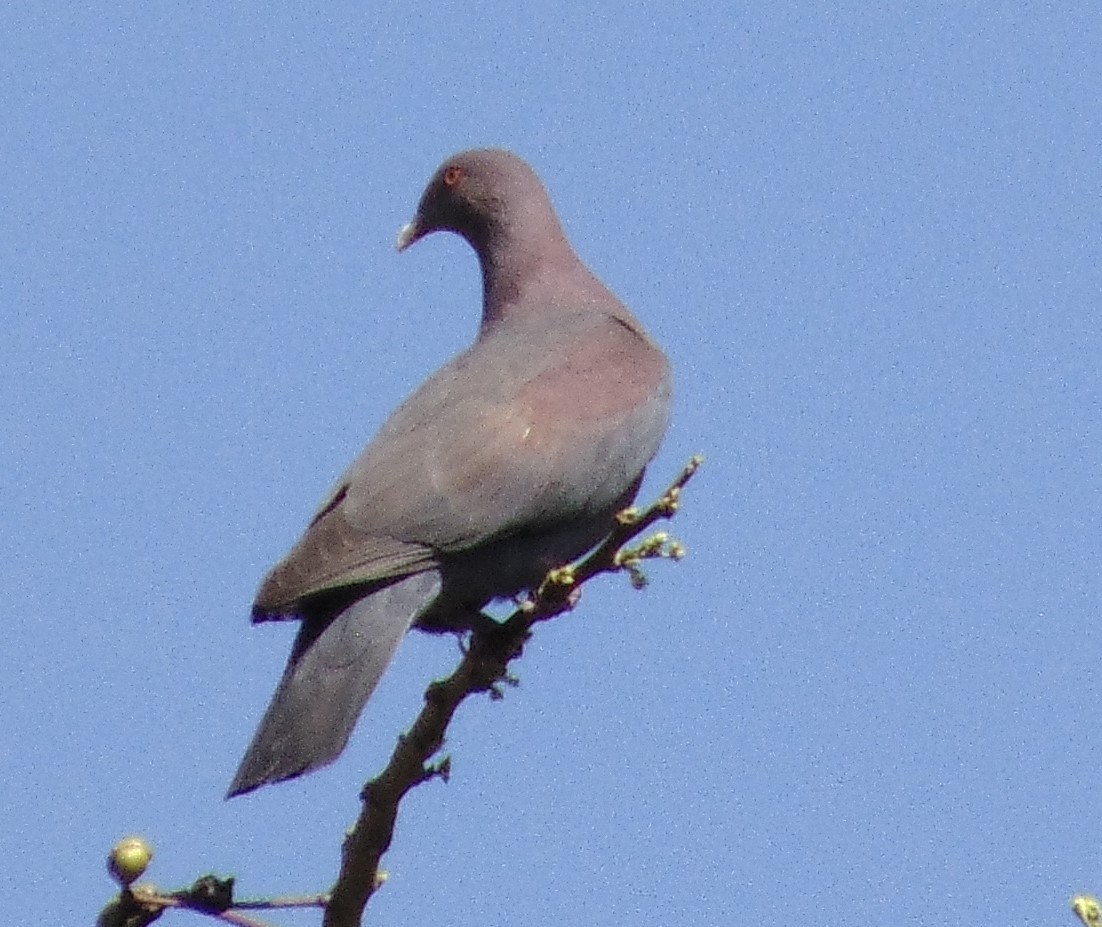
407 235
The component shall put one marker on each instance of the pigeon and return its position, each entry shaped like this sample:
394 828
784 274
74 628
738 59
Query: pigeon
510 461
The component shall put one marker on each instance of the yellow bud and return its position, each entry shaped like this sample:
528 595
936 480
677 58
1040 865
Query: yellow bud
128 859
628 516
562 576
1087 909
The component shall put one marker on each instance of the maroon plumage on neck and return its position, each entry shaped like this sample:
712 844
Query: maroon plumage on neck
527 263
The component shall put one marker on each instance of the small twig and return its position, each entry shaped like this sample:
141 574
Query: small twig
232 917
483 667
143 904
288 901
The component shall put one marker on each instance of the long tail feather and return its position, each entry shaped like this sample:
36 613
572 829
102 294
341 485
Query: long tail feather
334 667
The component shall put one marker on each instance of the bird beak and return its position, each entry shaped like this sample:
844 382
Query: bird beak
408 234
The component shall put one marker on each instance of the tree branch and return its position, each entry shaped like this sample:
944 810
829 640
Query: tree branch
484 666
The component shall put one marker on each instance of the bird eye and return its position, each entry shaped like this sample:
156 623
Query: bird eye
453 173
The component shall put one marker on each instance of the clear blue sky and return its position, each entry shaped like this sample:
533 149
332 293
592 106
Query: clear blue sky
868 236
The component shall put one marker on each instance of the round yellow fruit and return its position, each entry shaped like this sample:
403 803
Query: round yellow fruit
129 858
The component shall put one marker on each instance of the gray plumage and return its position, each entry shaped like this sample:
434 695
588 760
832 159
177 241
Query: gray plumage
509 461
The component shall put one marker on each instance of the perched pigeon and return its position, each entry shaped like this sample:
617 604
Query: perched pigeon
509 461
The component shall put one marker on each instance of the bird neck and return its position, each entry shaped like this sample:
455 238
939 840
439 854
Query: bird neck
552 280
528 262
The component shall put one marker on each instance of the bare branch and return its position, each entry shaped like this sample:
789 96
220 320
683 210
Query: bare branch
483 667
209 896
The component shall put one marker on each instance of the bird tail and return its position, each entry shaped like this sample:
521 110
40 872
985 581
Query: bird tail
334 667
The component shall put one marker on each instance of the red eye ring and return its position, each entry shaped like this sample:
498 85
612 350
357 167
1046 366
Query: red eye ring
453 173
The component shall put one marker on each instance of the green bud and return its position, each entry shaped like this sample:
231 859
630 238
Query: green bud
128 859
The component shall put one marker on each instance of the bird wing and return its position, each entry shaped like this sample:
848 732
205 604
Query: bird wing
534 425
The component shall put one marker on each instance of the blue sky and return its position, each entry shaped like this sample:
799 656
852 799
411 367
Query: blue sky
868 237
